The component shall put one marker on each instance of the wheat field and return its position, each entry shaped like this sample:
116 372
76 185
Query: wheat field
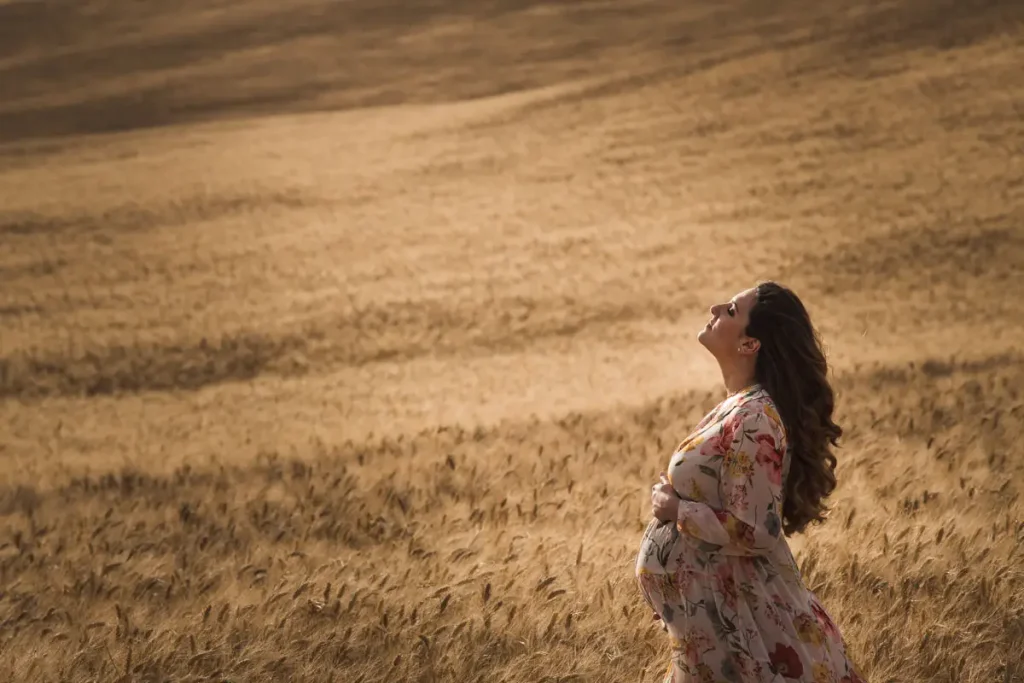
342 341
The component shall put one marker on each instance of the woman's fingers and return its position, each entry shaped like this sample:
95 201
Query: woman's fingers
663 496
662 500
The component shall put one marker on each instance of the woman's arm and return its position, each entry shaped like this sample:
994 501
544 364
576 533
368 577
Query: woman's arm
750 486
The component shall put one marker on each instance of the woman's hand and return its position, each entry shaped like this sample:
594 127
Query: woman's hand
664 500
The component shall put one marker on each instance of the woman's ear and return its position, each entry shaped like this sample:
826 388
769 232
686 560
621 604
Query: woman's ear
749 346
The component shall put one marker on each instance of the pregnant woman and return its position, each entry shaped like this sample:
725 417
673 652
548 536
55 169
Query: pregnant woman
714 563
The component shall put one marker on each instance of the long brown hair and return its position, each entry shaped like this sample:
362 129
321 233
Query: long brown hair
791 367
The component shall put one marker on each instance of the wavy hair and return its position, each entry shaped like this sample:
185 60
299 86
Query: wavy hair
791 367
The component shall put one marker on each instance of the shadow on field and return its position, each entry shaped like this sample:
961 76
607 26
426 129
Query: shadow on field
935 394
397 331
973 260
152 64
899 25
196 208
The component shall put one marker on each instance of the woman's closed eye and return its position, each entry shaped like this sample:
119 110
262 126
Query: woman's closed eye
731 310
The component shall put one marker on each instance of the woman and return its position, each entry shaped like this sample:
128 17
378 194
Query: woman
714 563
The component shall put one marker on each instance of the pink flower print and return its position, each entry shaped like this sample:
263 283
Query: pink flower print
721 441
736 497
726 583
685 575
787 662
826 623
769 457
694 644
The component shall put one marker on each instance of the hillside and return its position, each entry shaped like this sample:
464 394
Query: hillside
331 334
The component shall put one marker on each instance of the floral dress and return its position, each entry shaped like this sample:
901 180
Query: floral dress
722 578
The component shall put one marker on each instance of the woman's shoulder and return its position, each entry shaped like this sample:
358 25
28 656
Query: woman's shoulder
757 403
754 399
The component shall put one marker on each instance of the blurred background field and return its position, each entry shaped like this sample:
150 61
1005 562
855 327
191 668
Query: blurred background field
331 332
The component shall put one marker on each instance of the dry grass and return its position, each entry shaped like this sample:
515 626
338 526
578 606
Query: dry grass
377 394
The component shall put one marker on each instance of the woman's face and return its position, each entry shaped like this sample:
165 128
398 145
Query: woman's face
724 334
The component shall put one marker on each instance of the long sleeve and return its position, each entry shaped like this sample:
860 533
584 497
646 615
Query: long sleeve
752 441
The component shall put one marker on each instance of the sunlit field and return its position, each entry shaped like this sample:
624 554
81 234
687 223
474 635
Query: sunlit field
340 342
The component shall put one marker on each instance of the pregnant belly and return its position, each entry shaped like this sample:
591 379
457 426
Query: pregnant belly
657 548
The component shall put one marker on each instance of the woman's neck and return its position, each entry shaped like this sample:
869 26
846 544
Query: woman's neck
738 379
